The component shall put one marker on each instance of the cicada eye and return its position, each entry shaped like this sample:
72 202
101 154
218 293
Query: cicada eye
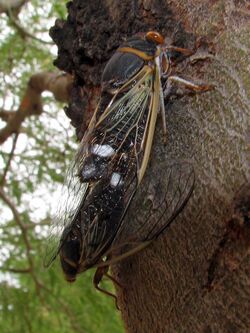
155 37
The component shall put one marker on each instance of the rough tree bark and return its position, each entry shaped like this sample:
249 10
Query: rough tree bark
196 277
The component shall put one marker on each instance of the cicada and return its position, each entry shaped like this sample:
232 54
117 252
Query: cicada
111 162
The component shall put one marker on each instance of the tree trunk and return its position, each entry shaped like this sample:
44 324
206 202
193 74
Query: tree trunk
194 278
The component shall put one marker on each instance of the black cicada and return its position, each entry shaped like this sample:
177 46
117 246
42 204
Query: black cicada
112 160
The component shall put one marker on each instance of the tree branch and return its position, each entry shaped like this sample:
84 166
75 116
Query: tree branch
22 31
5 115
12 5
32 225
15 270
67 310
19 222
2 182
57 83
24 232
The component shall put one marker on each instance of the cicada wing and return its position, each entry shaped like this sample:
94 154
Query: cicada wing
162 198
121 131
168 193
117 142
73 193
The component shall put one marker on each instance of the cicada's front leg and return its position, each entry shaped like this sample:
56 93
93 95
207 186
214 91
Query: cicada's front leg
193 54
163 116
183 51
184 87
175 80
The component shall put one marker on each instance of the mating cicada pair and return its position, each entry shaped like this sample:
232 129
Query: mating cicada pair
111 162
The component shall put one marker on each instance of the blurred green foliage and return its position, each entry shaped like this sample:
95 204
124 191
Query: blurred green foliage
33 299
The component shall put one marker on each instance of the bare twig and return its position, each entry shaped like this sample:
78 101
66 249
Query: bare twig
19 222
23 32
13 5
30 225
27 320
30 105
7 167
38 284
6 115
67 310
57 83
15 270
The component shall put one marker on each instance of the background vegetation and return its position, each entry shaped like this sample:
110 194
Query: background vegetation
33 162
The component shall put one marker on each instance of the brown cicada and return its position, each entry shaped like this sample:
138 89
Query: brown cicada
112 160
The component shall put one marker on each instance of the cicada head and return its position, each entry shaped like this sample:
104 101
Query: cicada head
164 60
155 37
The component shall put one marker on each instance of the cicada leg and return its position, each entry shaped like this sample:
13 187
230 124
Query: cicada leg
113 280
185 52
185 83
189 84
194 55
99 274
163 115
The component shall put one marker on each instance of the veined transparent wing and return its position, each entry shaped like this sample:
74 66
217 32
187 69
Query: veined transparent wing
162 199
116 140
73 193
121 128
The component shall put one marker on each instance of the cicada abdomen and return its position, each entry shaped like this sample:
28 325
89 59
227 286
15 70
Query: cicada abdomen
112 160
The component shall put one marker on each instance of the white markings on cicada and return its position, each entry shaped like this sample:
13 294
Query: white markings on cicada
102 150
116 179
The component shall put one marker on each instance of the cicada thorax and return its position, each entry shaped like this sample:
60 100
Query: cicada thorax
128 60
